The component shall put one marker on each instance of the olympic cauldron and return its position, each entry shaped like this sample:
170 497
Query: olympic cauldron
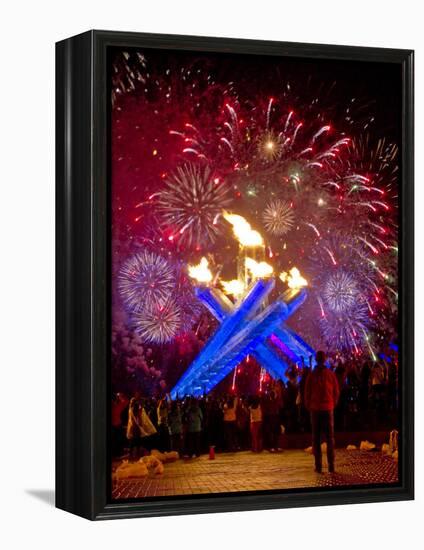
251 326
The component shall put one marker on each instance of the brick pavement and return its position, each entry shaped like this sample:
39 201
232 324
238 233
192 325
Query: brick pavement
245 471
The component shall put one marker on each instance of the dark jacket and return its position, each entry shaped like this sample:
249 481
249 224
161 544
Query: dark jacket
175 423
194 419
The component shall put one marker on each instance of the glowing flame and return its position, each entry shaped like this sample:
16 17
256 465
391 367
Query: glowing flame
293 278
258 269
234 287
200 272
243 231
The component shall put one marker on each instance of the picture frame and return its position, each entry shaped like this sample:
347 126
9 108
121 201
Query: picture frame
83 279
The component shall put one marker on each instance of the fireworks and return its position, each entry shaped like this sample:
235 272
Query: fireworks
144 280
326 177
157 294
190 203
346 331
158 323
128 69
345 290
269 146
278 217
341 292
285 160
189 306
345 255
265 144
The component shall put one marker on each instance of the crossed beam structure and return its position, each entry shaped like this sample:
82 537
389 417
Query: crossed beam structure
248 327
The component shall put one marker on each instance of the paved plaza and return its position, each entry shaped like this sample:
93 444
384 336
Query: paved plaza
246 471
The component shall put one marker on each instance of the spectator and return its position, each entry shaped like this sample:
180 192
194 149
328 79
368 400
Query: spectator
162 423
271 422
321 396
119 404
377 379
340 373
194 428
256 425
175 426
340 410
242 423
364 385
392 383
378 391
133 428
290 402
140 429
230 408
214 424
304 423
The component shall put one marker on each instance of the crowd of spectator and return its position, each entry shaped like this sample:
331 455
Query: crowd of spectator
367 400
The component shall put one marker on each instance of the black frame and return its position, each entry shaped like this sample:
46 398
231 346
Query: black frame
82 261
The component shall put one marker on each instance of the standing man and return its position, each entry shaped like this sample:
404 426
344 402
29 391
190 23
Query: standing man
119 404
321 395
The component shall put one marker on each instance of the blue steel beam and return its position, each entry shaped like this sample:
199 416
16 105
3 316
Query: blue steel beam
218 366
289 342
257 327
295 348
304 345
216 303
253 298
220 307
239 336
241 344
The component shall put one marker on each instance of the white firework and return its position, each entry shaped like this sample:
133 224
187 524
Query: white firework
145 279
159 323
346 330
190 204
278 217
341 292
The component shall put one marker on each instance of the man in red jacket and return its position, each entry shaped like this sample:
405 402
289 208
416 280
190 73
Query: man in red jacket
321 395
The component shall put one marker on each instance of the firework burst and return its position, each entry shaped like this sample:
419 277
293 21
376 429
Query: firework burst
278 217
343 285
190 204
342 259
286 141
341 292
144 280
269 146
308 163
346 331
159 323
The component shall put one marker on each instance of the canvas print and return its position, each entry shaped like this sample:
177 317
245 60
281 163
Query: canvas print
254 273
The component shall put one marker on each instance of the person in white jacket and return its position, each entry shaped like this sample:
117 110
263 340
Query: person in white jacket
139 428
